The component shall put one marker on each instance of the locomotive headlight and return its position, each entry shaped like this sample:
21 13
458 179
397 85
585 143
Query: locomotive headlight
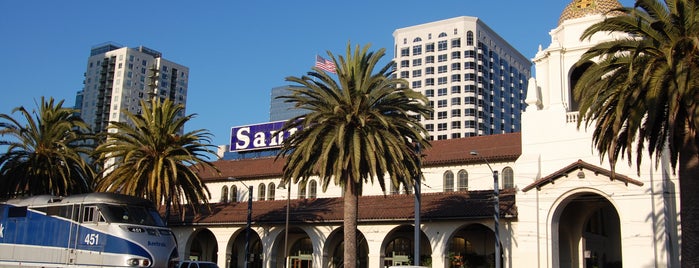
138 262
132 262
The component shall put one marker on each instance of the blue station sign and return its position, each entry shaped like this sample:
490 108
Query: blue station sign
259 136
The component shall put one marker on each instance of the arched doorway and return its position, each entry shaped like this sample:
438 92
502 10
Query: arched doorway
202 246
236 256
333 254
588 233
471 246
301 254
398 248
292 248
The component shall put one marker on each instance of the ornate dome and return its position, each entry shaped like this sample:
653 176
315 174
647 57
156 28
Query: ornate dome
581 8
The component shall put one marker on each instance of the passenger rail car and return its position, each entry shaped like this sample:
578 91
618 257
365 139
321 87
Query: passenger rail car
86 230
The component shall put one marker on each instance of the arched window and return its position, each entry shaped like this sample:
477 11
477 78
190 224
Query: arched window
302 190
442 34
448 181
234 194
469 38
417 39
224 194
508 178
463 180
270 191
261 192
312 189
575 74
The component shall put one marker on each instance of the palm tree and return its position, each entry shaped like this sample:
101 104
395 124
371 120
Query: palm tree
645 88
48 154
360 127
146 157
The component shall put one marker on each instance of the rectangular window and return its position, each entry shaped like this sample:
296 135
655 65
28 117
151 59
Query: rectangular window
456 101
417 73
404 63
429 93
455 89
404 52
442 45
456 113
441 80
417 50
442 127
417 62
417 84
429 127
442 58
456 42
404 74
429 82
442 92
456 66
429 47
456 125
429 70
456 78
441 103
442 115
456 55
442 69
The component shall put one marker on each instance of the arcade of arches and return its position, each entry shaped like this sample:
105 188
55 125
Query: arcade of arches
588 235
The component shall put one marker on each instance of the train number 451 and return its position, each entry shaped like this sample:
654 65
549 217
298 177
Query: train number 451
92 239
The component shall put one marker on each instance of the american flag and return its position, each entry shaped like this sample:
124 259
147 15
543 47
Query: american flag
324 64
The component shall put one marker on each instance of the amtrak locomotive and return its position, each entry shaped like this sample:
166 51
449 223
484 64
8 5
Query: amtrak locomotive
86 230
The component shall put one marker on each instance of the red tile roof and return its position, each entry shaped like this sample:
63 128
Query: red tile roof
435 206
579 165
500 147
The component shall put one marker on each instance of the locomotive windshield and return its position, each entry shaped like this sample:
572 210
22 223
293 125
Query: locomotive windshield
132 214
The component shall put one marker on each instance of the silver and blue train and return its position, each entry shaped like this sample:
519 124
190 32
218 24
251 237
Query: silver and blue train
85 230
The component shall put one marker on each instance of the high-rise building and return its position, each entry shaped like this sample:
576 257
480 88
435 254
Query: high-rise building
279 109
475 81
117 78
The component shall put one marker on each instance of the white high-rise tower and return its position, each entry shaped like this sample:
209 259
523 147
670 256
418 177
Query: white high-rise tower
117 78
475 81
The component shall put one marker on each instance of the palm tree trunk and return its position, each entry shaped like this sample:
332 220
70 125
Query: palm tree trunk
689 200
350 226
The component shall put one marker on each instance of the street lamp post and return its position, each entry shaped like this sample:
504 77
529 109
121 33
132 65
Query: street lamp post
249 223
247 231
286 223
417 182
496 209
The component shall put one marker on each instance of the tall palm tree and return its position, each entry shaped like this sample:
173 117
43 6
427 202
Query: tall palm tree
47 155
146 157
645 88
361 127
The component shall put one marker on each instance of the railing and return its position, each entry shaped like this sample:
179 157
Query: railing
572 117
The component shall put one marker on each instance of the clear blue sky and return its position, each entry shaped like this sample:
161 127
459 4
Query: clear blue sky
236 50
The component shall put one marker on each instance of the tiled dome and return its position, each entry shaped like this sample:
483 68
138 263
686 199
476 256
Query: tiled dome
581 8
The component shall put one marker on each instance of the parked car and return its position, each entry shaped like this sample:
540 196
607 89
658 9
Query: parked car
197 264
